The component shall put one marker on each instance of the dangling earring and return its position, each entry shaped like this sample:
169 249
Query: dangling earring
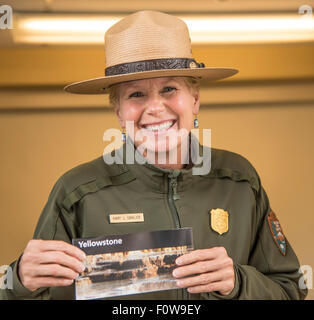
195 122
123 135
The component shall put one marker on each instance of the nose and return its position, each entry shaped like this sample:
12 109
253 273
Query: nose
155 105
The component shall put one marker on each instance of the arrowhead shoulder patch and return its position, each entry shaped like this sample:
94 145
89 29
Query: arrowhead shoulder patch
277 232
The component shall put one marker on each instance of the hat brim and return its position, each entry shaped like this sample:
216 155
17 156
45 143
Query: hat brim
100 85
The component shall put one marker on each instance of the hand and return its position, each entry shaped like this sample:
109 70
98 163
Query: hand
206 270
50 263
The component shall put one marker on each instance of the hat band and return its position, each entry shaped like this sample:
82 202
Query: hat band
151 65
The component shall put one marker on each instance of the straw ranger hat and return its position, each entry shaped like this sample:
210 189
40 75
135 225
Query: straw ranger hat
148 44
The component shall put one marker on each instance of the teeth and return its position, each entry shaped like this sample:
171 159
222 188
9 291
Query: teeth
164 126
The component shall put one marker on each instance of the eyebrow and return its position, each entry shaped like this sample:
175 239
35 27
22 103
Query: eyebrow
132 85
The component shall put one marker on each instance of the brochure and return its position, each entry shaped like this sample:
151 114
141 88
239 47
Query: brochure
132 263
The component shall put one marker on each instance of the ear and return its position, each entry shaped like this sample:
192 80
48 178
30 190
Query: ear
119 116
197 101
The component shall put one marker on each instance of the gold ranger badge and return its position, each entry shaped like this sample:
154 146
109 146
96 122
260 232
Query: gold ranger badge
219 220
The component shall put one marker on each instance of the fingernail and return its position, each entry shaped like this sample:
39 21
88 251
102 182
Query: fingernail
175 273
178 261
179 283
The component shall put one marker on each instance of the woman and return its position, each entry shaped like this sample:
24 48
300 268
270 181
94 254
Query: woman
152 79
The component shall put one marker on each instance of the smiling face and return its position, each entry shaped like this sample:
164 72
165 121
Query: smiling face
160 109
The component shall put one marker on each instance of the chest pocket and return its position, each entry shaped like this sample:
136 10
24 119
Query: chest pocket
235 176
93 186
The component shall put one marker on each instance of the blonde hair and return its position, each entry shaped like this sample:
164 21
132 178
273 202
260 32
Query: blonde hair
192 83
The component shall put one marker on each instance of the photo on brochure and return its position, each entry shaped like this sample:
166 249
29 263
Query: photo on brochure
118 265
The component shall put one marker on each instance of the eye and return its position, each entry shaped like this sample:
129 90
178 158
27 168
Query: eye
136 94
168 89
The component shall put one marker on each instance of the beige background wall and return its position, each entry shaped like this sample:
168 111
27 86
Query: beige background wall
266 113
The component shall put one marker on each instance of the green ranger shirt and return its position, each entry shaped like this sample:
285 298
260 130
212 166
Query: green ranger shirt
82 200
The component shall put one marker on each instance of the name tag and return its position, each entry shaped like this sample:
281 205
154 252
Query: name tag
126 217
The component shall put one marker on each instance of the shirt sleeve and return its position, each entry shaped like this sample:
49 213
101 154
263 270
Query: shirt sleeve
272 272
52 225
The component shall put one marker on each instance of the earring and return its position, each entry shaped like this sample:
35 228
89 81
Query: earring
195 122
123 135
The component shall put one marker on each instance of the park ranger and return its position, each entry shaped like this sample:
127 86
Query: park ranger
240 251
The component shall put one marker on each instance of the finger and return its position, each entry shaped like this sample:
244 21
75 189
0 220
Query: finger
224 287
52 270
202 279
49 282
200 255
192 269
201 267
61 258
57 245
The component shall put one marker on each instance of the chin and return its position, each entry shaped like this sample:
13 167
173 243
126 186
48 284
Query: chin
163 154
163 143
